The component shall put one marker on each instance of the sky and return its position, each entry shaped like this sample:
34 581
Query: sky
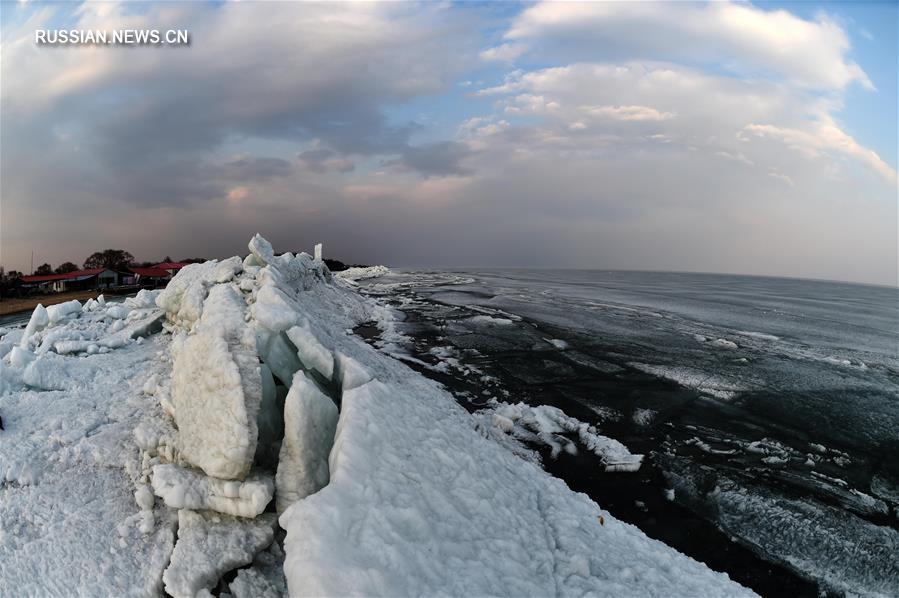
750 138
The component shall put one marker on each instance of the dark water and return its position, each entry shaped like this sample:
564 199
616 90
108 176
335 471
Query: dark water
769 406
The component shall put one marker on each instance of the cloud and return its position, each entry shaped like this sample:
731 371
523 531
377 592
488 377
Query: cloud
825 137
145 118
503 53
738 37
635 135
441 158
325 160
633 113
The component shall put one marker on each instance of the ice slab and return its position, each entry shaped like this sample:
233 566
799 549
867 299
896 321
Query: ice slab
310 419
217 388
211 545
311 352
184 488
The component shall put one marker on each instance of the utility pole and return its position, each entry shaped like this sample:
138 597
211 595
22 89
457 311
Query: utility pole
32 261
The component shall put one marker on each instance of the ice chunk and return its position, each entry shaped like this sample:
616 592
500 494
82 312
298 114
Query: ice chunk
311 352
557 343
54 372
273 309
183 488
20 358
278 353
261 249
211 545
217 388
318 251
182 299
216 420
226 269
39 320
350 373
60 311
545 425
71 346
354 274
310 419
117 312
143 496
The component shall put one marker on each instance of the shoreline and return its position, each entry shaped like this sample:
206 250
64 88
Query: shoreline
17 305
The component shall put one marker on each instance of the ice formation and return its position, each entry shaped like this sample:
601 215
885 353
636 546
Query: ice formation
310 418
548 425
210 545
254 391
183 488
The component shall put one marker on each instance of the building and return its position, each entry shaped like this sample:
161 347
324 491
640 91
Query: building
79 280
150 277
170 267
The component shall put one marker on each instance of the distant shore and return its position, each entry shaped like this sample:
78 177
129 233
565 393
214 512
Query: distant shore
14 305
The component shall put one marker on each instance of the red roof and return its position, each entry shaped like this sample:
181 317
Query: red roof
68 276
150 272
170 265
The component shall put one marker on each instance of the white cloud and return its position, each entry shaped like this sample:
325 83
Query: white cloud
824 137
503 53
633 113
736 36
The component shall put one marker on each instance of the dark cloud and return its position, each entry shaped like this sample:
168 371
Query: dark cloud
324 160
442 158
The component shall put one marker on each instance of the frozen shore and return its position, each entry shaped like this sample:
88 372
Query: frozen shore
168 441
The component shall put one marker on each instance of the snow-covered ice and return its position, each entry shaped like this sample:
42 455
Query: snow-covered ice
398 493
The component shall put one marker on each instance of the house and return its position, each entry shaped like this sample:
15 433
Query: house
151 277
79 280
170 267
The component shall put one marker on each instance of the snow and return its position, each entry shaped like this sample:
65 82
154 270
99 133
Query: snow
547 425
363 273
408 513
715 386
210 545
183 488
69 523
724 343
557 343
493 321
